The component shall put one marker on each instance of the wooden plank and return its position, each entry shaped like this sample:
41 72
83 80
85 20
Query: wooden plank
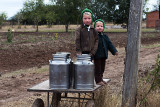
44 87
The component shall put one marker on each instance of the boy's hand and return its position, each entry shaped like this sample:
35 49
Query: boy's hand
116 53
91 54
79 53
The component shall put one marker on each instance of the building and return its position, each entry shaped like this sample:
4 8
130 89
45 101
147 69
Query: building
151 19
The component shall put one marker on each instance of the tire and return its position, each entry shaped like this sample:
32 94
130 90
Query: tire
38 103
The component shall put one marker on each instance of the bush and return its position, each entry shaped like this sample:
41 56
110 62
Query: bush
152 85
9 36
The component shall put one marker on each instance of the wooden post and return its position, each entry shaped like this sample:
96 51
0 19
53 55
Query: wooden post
157 22
132 53
159 9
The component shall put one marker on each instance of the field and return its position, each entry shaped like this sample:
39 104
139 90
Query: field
24 62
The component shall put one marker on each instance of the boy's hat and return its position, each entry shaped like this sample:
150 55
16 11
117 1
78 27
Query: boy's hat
86 10
100 21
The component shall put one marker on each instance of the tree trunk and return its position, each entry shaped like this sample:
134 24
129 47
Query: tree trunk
66 26
37 26
132 54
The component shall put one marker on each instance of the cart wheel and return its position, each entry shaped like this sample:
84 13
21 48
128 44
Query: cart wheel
90 103
38 103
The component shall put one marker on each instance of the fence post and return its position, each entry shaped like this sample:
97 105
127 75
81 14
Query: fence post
132 53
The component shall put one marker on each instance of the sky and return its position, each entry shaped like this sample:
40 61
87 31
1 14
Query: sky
151 3
11 7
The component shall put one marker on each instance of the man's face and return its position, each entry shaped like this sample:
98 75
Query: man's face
87 18
99 26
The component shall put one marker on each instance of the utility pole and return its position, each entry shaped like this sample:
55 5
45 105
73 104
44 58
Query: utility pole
132 54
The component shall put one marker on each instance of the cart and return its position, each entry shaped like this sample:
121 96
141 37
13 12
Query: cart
59 94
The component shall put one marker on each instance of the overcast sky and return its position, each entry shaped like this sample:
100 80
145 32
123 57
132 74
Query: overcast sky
151 3
11 7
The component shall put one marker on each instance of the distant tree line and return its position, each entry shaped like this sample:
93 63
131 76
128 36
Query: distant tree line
36 12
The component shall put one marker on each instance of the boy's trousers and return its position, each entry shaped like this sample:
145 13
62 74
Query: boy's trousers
99 69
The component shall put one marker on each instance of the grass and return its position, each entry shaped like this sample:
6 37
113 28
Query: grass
153 97
151 46
60 28
148 30
115 30
148 35
26 71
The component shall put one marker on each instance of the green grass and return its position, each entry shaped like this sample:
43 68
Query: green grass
61 28
151 46
148 30
57 30
26 71
115 30
125 30
149 35
105 30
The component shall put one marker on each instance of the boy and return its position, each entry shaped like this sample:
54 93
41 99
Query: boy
104 45
86 35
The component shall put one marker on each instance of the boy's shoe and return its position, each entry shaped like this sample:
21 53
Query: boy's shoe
104 82
101 83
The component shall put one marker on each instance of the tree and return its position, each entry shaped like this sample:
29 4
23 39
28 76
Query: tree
121 14
19 17
68 11
3 17
50 14
116 11
103 9
34 9
132 54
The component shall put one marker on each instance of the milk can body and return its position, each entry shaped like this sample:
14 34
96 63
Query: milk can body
59 77
83 74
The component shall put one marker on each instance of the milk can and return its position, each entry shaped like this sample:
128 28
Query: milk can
71 67
83 72
59 72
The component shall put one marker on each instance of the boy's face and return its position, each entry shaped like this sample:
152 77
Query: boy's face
99 26
87 18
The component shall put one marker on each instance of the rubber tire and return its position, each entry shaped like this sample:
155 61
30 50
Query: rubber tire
38 103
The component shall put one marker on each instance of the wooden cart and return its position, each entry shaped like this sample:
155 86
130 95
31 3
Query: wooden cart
59 94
